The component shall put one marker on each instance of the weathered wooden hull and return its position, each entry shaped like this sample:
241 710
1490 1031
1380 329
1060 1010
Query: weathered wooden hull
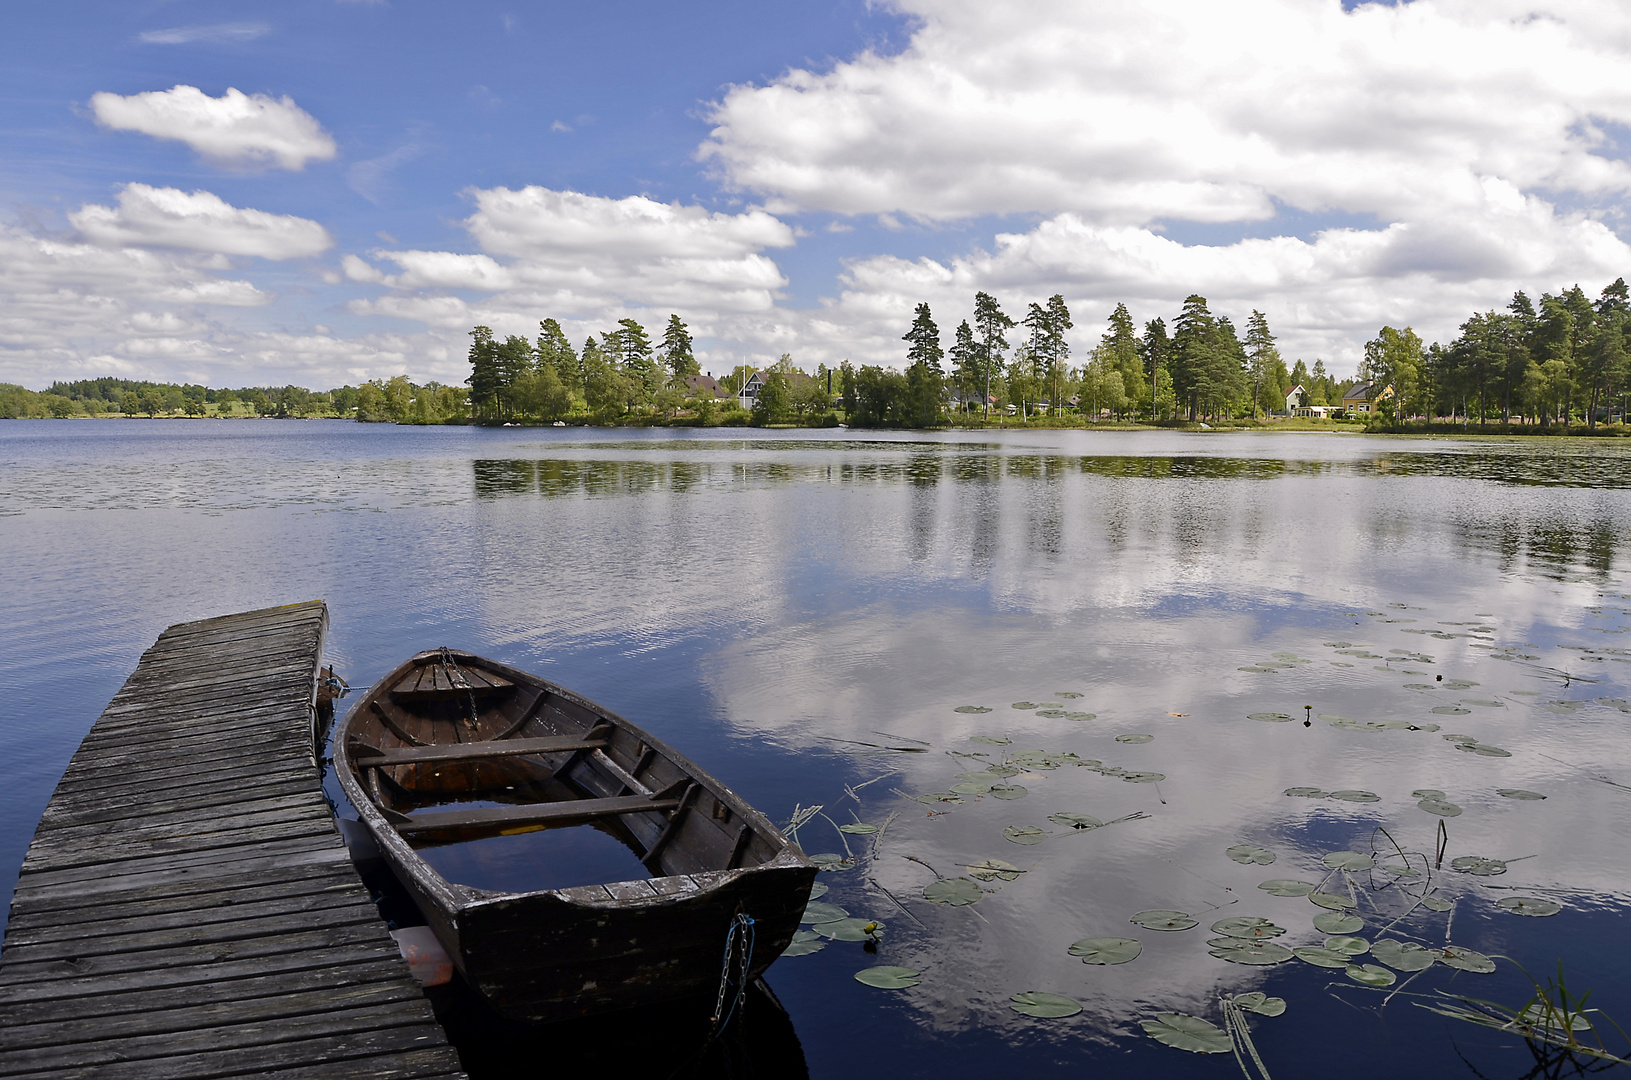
561 953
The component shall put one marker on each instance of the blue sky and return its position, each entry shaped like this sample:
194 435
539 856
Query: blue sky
326 191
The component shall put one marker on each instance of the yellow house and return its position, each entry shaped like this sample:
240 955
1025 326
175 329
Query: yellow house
1363 397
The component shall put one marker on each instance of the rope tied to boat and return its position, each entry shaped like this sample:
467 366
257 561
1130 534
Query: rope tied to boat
738 946
451 667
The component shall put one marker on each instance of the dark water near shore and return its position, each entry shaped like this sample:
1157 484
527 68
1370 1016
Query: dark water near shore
783 606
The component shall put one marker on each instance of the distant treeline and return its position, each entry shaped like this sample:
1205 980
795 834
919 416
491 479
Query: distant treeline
397 400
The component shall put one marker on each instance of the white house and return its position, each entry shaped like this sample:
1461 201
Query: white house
750 390
1294 399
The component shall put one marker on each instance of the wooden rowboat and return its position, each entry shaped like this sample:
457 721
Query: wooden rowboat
451 747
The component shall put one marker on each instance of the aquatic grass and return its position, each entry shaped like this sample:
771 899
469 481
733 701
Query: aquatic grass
1552 1016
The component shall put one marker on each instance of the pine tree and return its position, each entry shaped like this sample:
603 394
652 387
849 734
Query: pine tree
1058 347
1154 351
677 355
555 350
924 377
989 324
1263 355
638 360
485 381
965 361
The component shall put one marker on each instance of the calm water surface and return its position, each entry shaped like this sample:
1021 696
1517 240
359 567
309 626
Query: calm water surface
786 608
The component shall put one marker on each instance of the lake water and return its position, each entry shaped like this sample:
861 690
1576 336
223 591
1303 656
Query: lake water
785 608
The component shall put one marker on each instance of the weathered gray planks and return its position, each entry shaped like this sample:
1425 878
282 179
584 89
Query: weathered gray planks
186 908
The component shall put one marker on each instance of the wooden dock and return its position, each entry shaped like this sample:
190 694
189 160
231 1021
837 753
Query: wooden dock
186 908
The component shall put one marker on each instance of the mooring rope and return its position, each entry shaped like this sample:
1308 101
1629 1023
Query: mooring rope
451 666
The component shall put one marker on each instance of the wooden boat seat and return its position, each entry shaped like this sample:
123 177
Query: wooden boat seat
434 681
367 756
504 817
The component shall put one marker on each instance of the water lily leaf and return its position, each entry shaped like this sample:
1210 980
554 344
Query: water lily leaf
1427 793
1045 1006
1348 946
1259 953
832 861
1001 771
1321 957
1450 710
1162 919
956 892
1269 717
1519 793
1305 792
1440 807
1434 903
1335 922
1260 1003
849 929
1135 738
1081 716
1025 834
1287 887
1051 714
1008 791
1188 1033
858 828
1334 901
1459 684
1106 950
1529 905
804 943
1075 821
1144 777
1464 959
1402 871
818 890
1259 670
975 777
1351 795
992 869
1419 686
1339 644
1484 750
887 977
1457 737
971 788
1250 854
1247 926
1023 705
1069 695
818 912
1479 865
972 709
991 740
1371 975
1403 955
1348 860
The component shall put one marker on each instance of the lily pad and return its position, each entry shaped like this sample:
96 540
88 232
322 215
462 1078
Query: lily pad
1008 791
1250 854
991 740
1000 771
1023 705
818 890
1483 749
1106 950
817 911
831 860
974 710
1459 684
1306 792
1269 717
1135 738
1045 1006
1464 959
1144 777
804 943
1440 807
956 892
1260 1003
993 869
1051 714
1352 795
1520 794
1069 695
1335 922
1247 926
1287 887
849 929
1075 821
1478 865
1346 945
858 828
1371 975
887 977
1436 903
1024 834
1081 716
971 788
1257 953
1349 860
1187 1032
1403 955
1162 919
1450 710
1334 901
1321 957
1427 793
1529 905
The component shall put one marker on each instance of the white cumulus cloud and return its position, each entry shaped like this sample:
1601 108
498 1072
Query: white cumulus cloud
198 221
235 130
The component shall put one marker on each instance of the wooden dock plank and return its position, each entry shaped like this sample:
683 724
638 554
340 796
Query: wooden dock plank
186 908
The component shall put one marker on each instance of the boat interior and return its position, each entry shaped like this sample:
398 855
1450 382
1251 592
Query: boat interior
451 749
